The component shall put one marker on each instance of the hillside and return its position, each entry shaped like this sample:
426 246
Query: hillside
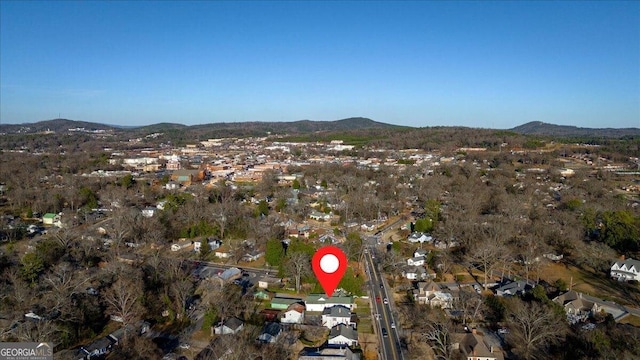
57 125
541 128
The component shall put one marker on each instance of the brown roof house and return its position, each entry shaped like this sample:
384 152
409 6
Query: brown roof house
473 347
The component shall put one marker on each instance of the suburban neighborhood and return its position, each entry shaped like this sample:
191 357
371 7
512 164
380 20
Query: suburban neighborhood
202 251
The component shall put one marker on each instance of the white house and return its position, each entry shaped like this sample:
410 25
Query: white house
252 255
294 314
336 315
416 261
418 237
414 273
319 302
319 216
213 245
148 211
625 270
230 326
343 335
420 252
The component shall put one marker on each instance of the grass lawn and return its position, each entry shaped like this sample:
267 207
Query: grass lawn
364 316
631 320
593 284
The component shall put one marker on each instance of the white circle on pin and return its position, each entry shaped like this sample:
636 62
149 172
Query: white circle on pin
329 263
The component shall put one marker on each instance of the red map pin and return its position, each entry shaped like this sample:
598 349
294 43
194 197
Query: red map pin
329 264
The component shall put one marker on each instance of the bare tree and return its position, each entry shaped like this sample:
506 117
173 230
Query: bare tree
470 303
123 299
490 252
297 266
533 328
439 335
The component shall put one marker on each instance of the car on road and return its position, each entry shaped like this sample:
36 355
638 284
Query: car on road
384 332
386 302
377 298
393 325
381 285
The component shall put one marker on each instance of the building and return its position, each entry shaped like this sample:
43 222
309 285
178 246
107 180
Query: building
230 326
318 302
625 270
343 335
473 347
294 314
336 315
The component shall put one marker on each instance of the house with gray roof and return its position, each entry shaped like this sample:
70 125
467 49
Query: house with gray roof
343 335
625 270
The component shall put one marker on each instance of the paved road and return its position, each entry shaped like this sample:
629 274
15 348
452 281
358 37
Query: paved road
389 345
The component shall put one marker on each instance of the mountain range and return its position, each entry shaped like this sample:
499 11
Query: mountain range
297 127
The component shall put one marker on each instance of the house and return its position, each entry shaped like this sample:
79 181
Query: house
49 218
414 273
331 352
418 237
336 315
420 252
473 347
343 335
319 216
262 295
440 299
98 348
625 270
266 281
430 293
282 301
230 274
269 314
416 261
270 332
514 288
252 255
368 227
222 252
294 314
180 245
318 302
328 239
213 244
577 307
230 326
148 211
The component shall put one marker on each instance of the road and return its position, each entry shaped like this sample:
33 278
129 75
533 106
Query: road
389 345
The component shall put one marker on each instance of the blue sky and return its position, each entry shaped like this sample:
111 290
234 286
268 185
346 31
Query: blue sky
479 64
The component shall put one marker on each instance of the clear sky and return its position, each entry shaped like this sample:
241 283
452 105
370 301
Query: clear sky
479 64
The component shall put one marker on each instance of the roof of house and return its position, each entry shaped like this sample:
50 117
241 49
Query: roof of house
272 328
344 330
233 323
629 263
323 299
574 299
471 343
428 286
337 311
49 216
329 352
296 307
